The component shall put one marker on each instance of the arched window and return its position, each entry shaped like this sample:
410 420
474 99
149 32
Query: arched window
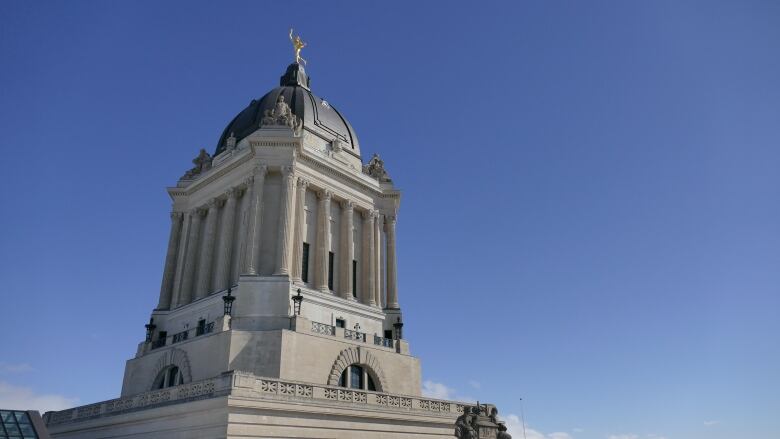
168 377
357 377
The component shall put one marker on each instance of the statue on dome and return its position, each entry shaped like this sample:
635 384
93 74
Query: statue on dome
202 164
376 169
298 44
282 115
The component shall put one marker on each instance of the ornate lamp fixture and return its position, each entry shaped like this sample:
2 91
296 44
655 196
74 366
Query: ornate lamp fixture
228 299
150 329
399 326
297 300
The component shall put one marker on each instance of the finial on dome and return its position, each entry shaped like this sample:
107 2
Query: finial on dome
298 44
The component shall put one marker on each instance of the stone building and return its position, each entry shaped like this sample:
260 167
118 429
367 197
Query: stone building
278 313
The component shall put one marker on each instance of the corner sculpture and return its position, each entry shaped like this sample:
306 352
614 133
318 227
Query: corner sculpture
375 168
282 115
202 164
480 422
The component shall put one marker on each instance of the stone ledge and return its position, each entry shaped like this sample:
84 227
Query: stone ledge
247 385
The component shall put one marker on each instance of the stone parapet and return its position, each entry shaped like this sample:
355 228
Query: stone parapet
249 386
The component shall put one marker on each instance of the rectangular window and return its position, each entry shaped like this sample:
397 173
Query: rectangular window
356 377
354 278
330 270
389 333
341 323
201 329
305 263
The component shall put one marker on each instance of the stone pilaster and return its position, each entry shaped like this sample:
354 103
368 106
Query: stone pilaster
205 265
300 217
225 253
377 260
347 249
367 257
255 220
169 272
283 238
323 240
391 270
193 241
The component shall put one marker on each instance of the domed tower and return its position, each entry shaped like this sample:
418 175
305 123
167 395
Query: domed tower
281 258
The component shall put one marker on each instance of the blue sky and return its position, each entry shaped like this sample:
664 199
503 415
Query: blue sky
591 205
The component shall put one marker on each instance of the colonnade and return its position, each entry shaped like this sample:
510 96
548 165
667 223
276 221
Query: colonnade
202 249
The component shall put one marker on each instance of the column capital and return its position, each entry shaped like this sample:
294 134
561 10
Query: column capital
347 204
324 195
303 183
390 219
197 212
375 214
260 170
231 193
213 203
286 170
248 181
175 216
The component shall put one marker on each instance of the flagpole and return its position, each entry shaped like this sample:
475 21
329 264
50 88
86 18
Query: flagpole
522 417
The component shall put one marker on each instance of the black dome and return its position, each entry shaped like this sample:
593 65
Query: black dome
318 115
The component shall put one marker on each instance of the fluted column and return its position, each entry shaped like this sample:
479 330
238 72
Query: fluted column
391 270
300 217
226 240
367 256
193 241
169 272
323 240
347 249
283 238
378 260
255 220
207 251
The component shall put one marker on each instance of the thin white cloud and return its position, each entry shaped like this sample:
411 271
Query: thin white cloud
475 384
8 368
635 436
514 426
24 398
711 423
577 430
432 389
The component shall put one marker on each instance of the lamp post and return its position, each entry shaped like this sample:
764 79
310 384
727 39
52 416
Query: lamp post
399 326
228 299
297 300
150 327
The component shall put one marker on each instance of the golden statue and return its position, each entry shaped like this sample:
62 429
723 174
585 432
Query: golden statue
298 44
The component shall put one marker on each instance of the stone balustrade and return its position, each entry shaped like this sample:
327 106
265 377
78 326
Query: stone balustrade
243 384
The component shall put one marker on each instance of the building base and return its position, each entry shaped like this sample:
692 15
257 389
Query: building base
242 405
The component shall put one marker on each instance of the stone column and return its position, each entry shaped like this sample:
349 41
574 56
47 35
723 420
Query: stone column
255 220
347 249
367 258
193 241
169 272
283 238
391 270
377 260
205 264
323 240
226 240
300 217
